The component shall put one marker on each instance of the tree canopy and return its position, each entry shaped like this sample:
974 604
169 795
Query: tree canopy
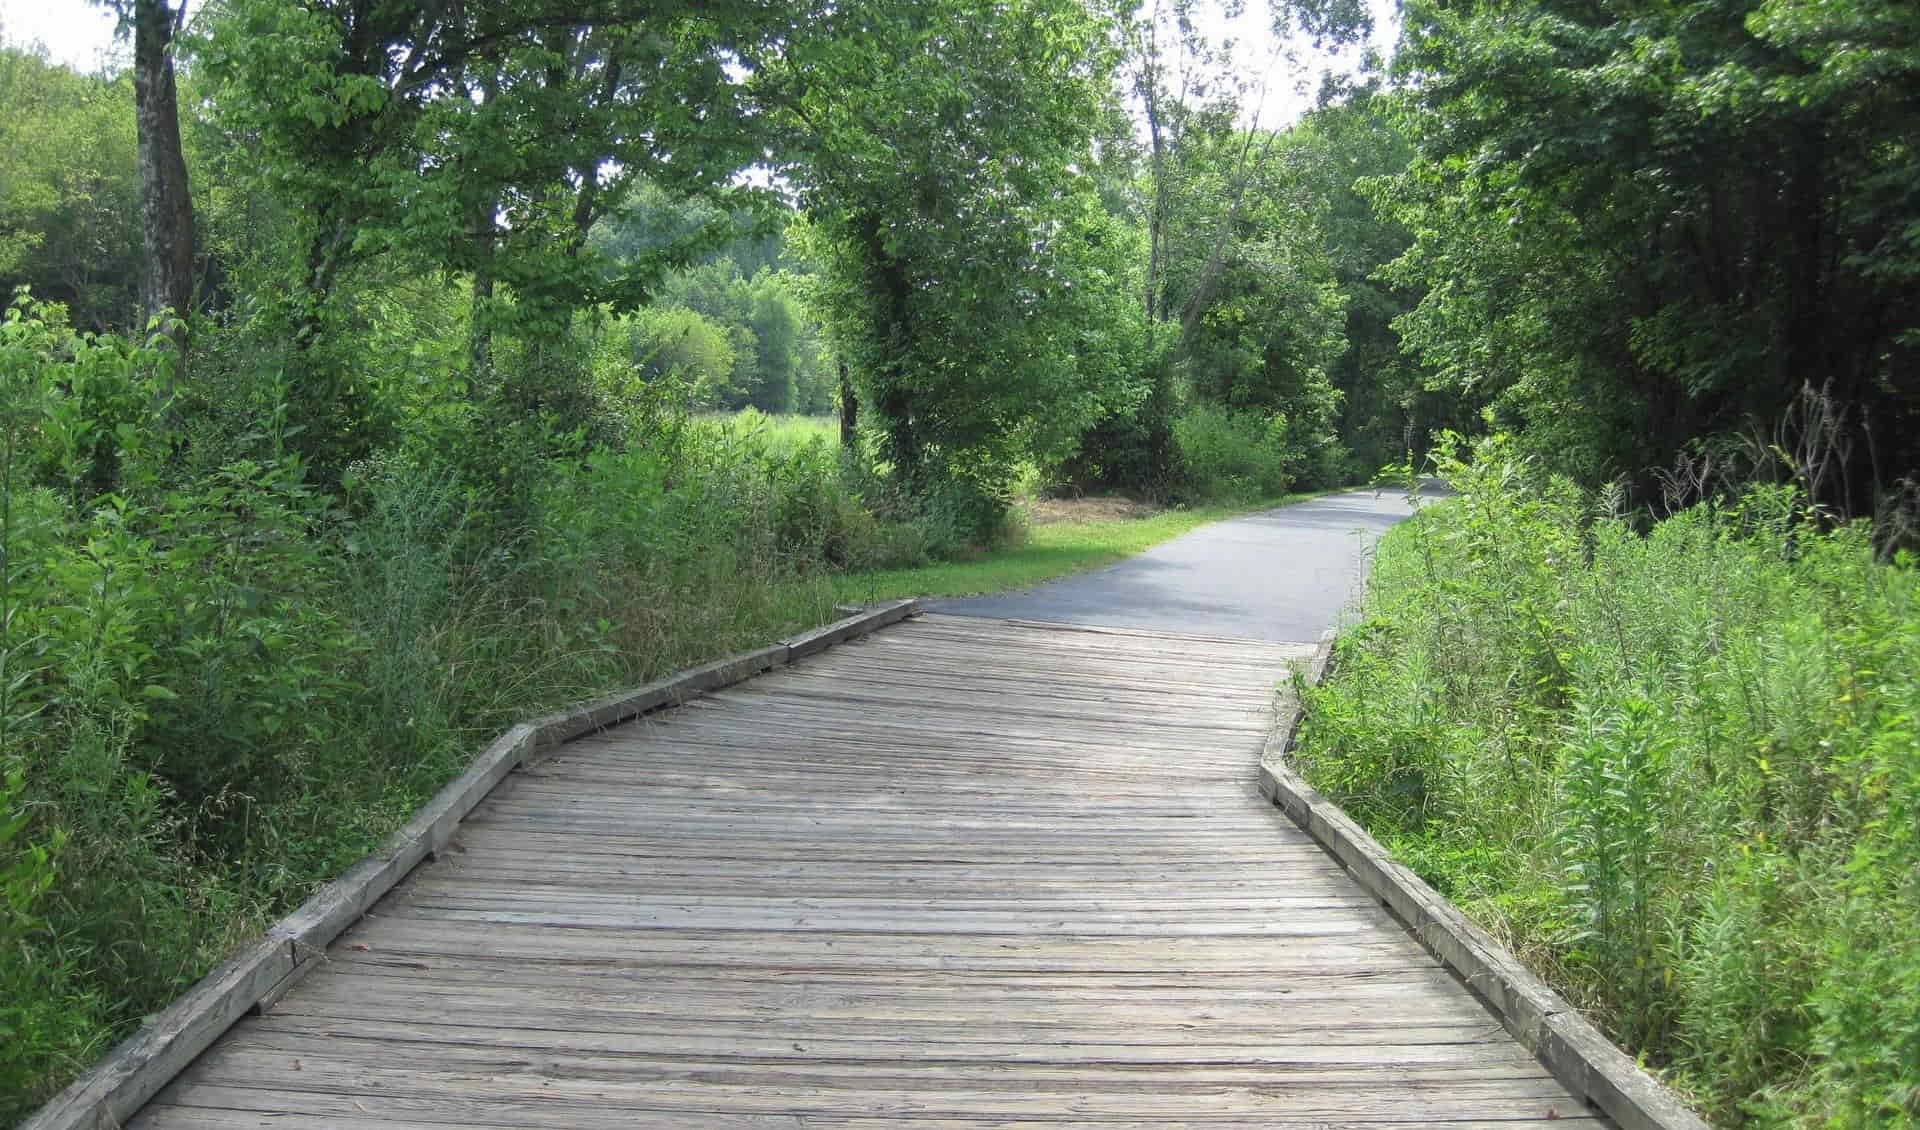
1643 229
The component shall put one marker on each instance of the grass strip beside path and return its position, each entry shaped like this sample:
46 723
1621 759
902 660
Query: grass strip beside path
1055 549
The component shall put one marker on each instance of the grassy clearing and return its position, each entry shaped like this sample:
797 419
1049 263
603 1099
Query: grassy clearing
1678 769
779 431
1056 545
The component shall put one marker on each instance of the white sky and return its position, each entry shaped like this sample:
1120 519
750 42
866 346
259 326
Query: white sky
74 32
80 34
1292 76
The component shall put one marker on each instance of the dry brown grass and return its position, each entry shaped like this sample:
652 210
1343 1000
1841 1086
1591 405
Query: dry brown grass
1046 511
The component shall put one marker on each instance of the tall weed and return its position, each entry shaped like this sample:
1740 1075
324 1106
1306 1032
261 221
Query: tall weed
1677 766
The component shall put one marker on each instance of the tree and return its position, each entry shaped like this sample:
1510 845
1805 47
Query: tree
482 140
70 214
1645 226
777 330
1183 81
1348 146
486 138
1262 318
679 346
937 151
166 200
1200 178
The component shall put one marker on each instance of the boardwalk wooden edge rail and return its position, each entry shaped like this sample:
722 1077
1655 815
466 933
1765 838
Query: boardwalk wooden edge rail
261 973
1577 1053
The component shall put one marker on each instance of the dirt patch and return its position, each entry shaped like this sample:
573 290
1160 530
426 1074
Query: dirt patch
1046 511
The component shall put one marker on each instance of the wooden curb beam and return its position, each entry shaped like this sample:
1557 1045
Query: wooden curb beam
1582 1058
121 1083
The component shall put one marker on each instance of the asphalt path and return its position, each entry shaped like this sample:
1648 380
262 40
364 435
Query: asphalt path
1285 575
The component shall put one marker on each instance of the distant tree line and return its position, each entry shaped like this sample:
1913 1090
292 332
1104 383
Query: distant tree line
1029 233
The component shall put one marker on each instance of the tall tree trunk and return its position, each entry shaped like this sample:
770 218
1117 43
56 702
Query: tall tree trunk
892 399
903 439
849 411
166 205
483 229
1157 210
1209 280
1149 89
480 331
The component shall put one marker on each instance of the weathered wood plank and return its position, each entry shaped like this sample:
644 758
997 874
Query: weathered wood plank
960 875
857 623
265 971
608 1098
755 1040
804 952
418 1114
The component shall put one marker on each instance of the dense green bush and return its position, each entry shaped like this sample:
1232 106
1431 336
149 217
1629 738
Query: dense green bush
92 866
1233 456
1680 769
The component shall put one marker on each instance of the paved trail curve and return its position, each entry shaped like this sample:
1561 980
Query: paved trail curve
1281 575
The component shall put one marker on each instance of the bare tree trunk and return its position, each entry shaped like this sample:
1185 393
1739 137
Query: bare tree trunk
1209 280
166 205
849 411
1149 88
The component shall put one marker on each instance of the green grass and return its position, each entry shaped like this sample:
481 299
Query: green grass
784 432
1052 550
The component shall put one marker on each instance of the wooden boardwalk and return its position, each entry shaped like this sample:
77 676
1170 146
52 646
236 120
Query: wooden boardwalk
961 873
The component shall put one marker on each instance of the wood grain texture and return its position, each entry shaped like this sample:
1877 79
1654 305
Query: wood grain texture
265 971
854 622
957 874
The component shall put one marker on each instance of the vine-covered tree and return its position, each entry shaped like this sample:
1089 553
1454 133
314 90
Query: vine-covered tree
967 269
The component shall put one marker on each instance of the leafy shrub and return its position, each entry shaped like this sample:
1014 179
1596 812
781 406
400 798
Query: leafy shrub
103 914
44 1011
1132 448
1233 456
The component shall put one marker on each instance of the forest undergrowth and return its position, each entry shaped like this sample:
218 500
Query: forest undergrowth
1676 767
